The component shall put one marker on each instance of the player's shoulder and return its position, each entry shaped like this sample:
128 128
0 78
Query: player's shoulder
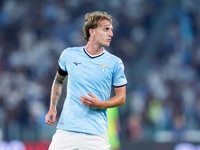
70 50
73 49
112 57
78 48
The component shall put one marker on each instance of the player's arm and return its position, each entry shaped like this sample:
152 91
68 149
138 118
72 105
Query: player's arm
118 99
56 91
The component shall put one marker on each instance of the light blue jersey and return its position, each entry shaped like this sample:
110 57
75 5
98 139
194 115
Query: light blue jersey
96 75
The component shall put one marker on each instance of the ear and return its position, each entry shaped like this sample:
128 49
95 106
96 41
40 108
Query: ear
91 31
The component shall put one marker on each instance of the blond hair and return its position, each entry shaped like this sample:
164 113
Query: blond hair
92 21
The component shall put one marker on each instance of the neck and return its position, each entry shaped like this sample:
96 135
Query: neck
93 49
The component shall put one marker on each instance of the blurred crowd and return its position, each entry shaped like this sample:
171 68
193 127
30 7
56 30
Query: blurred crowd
165 105
165 101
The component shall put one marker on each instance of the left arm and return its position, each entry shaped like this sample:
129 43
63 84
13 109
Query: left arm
93 101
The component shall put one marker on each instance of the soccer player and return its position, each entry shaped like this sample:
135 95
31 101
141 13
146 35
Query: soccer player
91 71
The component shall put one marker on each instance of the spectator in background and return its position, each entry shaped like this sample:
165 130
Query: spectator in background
134 128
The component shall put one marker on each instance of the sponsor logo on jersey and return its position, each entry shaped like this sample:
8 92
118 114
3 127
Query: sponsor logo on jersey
77 63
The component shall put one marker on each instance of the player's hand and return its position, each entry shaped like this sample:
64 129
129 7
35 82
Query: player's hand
51 116
91 101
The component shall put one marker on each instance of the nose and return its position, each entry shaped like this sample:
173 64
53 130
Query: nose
111 33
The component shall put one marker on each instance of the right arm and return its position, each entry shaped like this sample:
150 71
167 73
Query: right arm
56 91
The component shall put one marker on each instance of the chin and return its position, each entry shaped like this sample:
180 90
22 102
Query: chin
107 45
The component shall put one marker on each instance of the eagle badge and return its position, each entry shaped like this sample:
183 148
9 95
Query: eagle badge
103 67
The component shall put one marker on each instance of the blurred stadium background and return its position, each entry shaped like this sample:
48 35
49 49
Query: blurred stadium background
158 41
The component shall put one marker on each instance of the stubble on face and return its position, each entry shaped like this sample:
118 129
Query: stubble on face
106 28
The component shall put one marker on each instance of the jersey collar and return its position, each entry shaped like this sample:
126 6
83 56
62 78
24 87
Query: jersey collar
93 56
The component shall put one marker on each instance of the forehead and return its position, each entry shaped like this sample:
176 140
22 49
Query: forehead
105 23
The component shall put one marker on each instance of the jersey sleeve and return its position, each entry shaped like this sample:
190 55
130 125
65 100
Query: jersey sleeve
119 78
62 62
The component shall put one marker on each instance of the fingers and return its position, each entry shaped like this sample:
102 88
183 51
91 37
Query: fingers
49 122
85 98
50 119
85 101
89 101
54 118
91 95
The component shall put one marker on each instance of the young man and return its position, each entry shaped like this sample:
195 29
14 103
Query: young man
92 71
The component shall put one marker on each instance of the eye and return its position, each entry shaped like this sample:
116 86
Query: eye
106 29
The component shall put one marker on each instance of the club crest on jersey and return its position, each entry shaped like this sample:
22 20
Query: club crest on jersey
103 67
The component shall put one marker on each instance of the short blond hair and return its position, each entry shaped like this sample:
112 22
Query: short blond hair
92 21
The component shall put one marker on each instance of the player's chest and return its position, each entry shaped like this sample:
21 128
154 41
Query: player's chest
90 69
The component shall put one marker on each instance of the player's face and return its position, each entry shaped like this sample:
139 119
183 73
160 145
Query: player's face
103 33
